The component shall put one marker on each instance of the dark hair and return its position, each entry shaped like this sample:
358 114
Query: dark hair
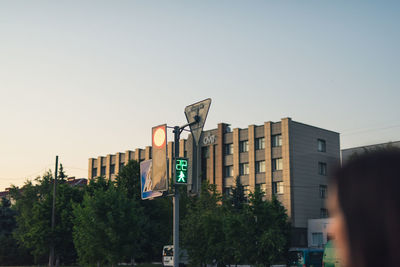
368 190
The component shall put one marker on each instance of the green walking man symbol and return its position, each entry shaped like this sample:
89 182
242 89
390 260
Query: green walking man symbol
181 165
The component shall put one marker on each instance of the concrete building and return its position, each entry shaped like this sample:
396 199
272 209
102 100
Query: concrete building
285 158
349 152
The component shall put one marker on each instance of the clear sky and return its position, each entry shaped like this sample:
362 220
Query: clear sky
81 79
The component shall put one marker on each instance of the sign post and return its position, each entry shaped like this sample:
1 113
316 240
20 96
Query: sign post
196 115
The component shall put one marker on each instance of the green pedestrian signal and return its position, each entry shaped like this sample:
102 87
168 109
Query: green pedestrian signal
181 170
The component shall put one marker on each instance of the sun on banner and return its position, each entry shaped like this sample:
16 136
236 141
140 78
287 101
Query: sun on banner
159 156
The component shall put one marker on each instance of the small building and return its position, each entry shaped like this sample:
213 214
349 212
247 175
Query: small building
318 232
80 182
347 153
5 194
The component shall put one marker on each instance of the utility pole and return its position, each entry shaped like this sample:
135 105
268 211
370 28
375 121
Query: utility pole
53 219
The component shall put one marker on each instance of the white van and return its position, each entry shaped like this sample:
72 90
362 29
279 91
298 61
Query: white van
168 256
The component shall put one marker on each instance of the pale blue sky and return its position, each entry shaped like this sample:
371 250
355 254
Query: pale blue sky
81 79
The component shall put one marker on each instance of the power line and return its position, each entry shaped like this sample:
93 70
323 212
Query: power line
372 130
76 168
29 175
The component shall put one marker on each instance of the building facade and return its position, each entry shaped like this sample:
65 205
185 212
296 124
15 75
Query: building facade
288 159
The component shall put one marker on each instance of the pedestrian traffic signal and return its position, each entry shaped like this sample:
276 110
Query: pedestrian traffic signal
181 170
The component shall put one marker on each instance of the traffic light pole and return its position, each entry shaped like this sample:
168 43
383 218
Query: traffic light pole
177 133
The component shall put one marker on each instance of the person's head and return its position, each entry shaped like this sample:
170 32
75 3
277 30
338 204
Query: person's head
364 204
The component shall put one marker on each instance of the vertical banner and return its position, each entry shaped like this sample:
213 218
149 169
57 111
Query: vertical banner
159 156
145 181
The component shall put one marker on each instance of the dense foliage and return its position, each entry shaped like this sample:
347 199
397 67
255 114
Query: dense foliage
106 223
34 211
10 252
108 227
235 230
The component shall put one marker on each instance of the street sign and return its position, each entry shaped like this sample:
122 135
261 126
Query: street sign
196 115
181 170
145 181
159 181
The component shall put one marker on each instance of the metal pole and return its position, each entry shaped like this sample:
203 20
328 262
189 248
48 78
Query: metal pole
53 219
176 202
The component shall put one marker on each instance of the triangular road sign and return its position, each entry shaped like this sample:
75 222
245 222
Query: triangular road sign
196 115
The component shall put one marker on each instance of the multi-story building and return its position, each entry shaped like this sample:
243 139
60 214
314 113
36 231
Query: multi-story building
288 159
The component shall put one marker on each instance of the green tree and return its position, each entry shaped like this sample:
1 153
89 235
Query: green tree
238 197
10 252
236 226
61 174
157 232
233 230
128 180
34 207
269 228
98 183
7 218
202 228
108 227
236 236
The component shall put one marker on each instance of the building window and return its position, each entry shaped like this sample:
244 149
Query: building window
277 187
112 169
276 140
322 168
322 191
205 151
94 172
277 164
263 188
260 143
317 239
324 213
243 146
121 166
260 166
228 149
228 171
321 145
244 168
103 171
